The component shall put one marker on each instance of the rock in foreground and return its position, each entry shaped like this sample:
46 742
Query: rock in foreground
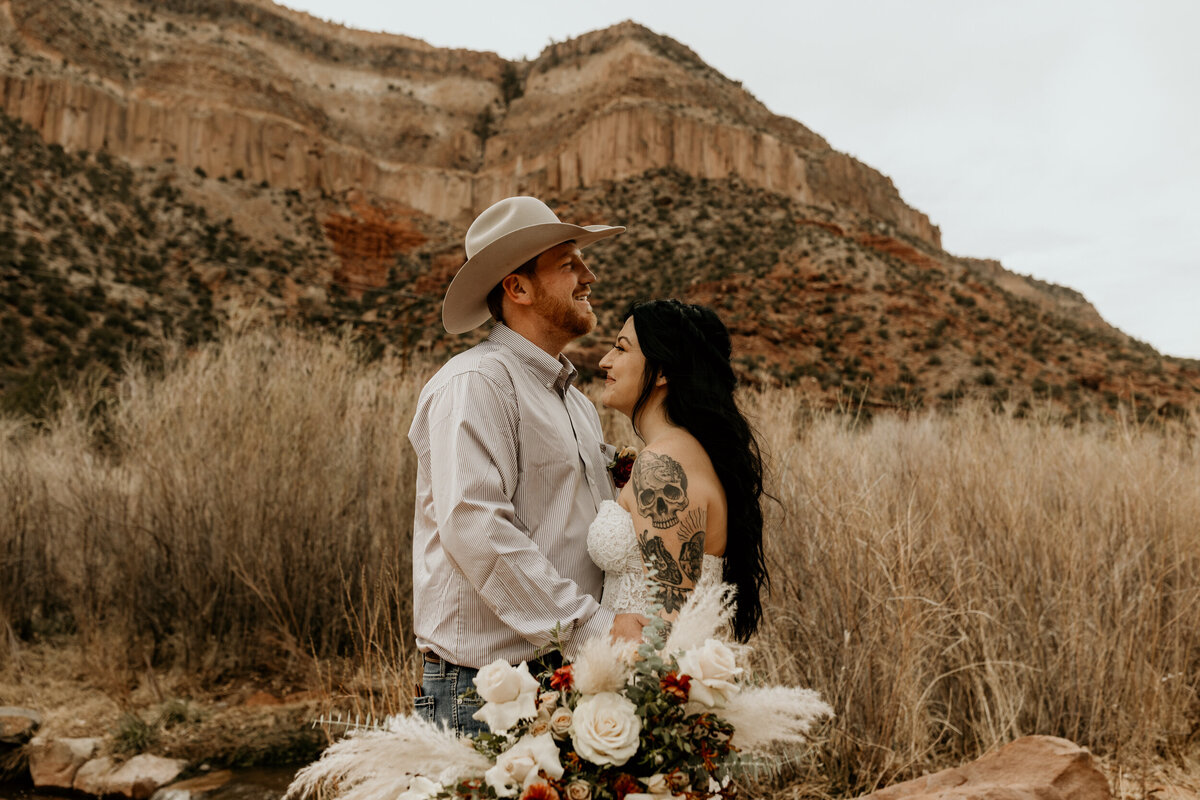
17 725
1031 768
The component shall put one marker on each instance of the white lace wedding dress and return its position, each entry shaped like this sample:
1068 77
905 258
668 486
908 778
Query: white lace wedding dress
612 544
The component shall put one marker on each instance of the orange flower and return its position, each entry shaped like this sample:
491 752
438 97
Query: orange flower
677 780
540 791
676 686
562 679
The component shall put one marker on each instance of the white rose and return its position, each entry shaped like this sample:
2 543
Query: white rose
548 701
509 694
657 788
518 765
713 670
605 729
560 722
501 682
657 784
420 789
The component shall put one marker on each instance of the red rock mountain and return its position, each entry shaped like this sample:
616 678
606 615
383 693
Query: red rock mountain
330 174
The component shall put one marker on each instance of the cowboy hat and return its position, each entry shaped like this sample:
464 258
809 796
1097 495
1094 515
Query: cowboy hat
502 238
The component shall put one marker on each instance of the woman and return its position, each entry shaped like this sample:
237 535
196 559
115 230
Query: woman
691 509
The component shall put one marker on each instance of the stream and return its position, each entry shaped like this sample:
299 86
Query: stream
257 783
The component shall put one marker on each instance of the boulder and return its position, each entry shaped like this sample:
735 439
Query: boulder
92 777
1031 768
54 762
138 778
194 788
17 725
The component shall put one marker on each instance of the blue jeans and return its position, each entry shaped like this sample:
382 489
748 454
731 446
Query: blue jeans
441 701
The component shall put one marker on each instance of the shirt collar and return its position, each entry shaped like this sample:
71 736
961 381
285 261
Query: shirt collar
553 373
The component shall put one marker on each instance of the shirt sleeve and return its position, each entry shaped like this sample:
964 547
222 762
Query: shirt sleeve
474 469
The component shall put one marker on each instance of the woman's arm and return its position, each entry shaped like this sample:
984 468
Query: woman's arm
669 520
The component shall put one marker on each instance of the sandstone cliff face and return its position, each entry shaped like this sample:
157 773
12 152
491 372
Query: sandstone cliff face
228 86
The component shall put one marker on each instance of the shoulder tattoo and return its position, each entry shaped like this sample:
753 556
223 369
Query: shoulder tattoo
660 488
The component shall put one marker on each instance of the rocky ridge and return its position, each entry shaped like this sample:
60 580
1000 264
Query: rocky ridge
225 85
168 163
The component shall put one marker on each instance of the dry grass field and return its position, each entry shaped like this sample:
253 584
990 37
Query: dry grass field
948 581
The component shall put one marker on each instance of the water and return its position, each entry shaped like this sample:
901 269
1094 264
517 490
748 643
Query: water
257 783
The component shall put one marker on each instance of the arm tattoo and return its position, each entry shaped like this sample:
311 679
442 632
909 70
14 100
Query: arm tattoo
656 556
691 557
660 487
672 597
669 573
691 533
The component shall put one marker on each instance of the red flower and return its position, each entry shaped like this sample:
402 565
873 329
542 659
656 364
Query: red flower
540 791
622 466
625 784
676 685
562 679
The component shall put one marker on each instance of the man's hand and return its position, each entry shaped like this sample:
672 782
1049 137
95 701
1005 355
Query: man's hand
629 626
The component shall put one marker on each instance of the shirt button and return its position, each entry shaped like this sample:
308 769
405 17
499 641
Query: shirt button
549 385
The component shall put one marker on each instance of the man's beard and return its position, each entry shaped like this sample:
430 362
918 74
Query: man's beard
563 314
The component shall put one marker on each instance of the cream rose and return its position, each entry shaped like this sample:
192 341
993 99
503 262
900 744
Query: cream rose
560 722
420 789
605 729
713 670
658 787
517 767
548 701
509 694
579 790
540 724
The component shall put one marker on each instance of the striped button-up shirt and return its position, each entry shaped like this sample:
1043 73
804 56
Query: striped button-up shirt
511 470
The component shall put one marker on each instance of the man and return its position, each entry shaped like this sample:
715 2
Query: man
511 464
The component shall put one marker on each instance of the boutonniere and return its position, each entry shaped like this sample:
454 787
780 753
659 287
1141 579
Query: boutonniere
622 465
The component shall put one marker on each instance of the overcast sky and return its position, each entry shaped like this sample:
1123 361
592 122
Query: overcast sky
1061 137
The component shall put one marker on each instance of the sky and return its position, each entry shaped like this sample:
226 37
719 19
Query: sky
1061 137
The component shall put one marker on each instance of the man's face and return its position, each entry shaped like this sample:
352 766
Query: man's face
561 287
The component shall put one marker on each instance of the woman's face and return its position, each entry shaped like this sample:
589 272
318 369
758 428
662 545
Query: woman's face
625 366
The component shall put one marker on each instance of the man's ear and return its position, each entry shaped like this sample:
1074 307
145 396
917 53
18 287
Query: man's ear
518 289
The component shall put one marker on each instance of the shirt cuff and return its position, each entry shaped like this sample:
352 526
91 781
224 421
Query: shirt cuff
599 624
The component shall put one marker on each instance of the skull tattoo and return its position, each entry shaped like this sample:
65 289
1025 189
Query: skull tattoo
660 486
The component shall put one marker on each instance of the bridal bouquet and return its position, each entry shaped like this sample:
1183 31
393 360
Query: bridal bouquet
670 719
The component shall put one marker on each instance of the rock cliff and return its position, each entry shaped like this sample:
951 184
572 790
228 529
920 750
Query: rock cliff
251 88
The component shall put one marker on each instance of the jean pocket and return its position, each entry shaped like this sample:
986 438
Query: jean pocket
425 707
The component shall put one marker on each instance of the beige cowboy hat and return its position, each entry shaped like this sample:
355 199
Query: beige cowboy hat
502 238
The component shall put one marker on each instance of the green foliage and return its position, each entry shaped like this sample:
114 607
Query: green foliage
133 735
511 84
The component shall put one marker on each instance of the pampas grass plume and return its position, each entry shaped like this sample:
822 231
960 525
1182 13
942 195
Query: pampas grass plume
708 610
379 765
763 716
602 665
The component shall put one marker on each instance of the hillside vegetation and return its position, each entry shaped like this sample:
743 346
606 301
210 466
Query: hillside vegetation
99 259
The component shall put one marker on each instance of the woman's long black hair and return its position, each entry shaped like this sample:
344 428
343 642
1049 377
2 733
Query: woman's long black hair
690 346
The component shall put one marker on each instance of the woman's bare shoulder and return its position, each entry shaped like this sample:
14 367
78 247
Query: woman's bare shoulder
674 471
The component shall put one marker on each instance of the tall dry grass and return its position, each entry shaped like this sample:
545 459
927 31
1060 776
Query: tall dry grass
229 514
948 582
951 583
